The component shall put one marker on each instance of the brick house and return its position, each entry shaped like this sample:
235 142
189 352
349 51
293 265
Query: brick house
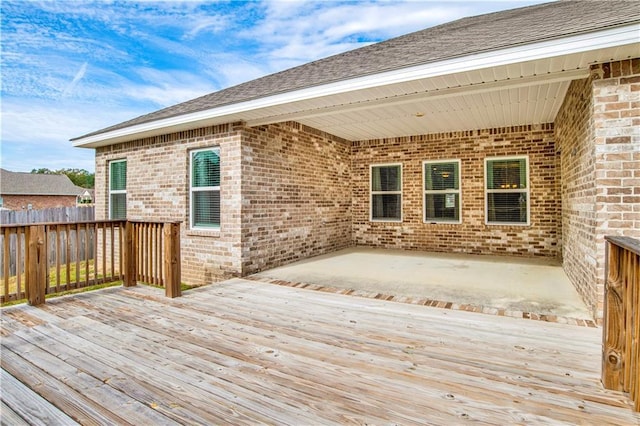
513 133
23 191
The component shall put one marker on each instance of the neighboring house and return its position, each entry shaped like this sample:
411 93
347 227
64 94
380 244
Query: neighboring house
85 196
25 191
513 133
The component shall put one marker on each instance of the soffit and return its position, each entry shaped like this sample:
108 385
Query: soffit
508 94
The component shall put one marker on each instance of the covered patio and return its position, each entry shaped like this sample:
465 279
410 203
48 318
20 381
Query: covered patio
245 352
533 288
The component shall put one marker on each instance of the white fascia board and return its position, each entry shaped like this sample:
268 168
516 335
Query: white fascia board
612 37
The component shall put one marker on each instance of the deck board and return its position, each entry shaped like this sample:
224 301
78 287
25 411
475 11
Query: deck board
20 403
245 352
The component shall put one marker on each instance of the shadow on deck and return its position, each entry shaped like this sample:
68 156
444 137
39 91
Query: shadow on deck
244 352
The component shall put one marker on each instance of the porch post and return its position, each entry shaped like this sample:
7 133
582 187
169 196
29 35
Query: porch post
130 252
37 265
172 259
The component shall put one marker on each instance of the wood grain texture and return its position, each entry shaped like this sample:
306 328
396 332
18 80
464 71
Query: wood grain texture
19 404
245 352
621 334
171 259
37 265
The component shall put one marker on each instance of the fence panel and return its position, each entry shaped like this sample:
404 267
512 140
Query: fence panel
57 214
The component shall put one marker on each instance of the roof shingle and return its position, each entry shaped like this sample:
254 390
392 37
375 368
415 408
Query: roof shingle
19 183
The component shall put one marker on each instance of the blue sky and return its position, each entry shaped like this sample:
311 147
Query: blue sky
73 67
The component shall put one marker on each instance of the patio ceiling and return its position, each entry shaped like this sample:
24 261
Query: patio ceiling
471 100
507 95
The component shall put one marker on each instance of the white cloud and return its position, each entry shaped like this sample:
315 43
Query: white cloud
164 88
299 32
213 24
36 132
81 72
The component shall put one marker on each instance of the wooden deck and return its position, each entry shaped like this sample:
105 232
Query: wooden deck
246 352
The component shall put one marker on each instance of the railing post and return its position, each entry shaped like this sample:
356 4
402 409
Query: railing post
172 259
130 254
621 324
612 326
37 265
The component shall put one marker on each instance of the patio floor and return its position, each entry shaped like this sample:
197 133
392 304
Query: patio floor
246 352
513 286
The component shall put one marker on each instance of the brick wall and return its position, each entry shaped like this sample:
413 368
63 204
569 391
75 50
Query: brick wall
616 107
285 195
157 190
472 235
38 202
598 133
574 133
296 194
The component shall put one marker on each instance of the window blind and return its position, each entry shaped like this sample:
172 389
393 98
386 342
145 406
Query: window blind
118 204
386 192
442 191
118 176
205 188
206 169
507 191
118 189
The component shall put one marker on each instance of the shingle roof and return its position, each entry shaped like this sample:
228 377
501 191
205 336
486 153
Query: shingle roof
18 183
463 37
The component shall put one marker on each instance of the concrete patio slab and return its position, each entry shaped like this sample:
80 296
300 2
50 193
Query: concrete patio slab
514 284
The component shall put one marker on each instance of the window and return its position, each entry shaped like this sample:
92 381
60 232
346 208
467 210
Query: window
507 190
118 189
442 191
205 188
386 193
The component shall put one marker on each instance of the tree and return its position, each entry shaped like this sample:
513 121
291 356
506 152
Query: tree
79 177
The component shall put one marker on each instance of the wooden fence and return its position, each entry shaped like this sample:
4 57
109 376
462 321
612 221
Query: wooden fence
52 215
44 259
621 335
79 243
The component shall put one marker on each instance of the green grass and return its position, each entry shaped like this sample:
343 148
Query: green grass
66 292
73 278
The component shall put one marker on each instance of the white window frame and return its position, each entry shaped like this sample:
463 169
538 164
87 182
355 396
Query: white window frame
116 191
193 189
372 192
526 191
426 191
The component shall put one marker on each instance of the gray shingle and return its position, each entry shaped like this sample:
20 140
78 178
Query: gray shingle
18 183
463 37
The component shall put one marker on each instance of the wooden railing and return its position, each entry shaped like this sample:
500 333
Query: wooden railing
152 255
621 336
42 259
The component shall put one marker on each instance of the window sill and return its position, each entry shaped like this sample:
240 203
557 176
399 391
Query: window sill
442 222
213 232
507 224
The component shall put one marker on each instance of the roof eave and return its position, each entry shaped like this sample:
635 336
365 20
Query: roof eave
601 39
